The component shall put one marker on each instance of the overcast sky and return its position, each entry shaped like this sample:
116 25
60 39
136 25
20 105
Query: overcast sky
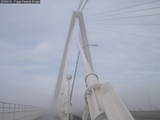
32 39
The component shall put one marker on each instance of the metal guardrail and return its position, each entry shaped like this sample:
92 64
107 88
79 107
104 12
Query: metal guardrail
12 107
19 1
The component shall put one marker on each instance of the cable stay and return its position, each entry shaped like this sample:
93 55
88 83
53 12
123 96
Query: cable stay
125 32
82 5
131 11
119 24
127 8
129 17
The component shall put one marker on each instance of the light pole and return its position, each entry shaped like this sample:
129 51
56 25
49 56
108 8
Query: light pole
76 68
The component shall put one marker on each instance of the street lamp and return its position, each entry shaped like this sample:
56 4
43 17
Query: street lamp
76 68
69 77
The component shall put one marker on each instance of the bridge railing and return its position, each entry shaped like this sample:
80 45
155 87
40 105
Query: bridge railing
12 111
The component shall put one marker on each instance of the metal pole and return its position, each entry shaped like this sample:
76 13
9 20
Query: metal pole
74 76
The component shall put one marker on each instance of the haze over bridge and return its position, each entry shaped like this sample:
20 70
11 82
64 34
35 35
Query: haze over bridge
136 68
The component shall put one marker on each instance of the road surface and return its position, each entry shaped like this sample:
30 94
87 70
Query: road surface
138 115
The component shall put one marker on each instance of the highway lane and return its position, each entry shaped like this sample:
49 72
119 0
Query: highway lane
138 115
146 115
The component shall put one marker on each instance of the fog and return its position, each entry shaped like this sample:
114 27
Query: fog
32 39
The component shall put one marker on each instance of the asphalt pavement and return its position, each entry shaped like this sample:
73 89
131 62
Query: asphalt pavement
138 115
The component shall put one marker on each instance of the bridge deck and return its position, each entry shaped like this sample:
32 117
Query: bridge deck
46 117
138 115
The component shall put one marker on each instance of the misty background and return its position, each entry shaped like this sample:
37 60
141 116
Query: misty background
32 39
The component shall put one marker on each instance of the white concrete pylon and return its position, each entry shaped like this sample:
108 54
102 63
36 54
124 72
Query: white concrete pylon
101 100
